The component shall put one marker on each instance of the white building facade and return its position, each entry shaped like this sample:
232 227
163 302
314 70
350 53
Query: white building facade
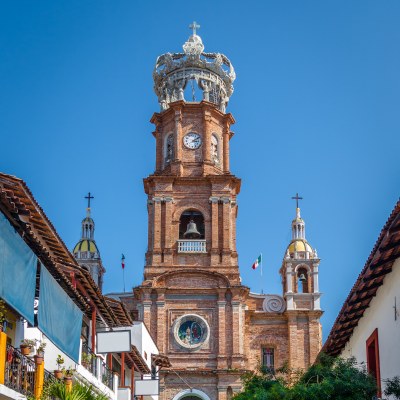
368 326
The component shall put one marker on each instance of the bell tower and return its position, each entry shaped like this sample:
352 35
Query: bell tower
210 326
192 194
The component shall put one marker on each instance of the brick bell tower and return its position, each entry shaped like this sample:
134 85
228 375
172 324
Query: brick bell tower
191 299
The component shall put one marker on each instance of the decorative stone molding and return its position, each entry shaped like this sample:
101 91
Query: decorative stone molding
274 304
223 200
161 199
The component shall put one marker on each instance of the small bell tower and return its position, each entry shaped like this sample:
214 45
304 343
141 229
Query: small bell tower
86 252
299 269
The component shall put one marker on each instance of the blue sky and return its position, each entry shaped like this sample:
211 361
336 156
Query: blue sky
316 101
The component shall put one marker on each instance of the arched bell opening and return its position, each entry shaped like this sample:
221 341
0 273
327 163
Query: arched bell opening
192 92
191 225
302 281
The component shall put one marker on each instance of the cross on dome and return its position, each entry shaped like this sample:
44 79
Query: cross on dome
89 197
194 25
297 198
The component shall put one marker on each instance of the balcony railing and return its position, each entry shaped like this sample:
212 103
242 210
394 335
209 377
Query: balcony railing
107 376
192 246
89 359
48 377
19 372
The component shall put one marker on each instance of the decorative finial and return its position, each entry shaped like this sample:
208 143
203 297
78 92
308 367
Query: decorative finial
297 198
194 25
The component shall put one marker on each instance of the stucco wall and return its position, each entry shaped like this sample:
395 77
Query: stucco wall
380 315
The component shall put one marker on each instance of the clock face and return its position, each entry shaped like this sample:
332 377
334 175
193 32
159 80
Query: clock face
192 140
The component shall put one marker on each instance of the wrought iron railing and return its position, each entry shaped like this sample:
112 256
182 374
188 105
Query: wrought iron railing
19 372
88 359
49 377
192 246
107 376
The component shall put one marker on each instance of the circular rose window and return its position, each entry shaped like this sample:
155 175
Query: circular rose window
191 331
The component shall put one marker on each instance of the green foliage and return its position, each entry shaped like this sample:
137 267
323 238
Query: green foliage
56 390
59 361
328 378
41 348
28 342
393 387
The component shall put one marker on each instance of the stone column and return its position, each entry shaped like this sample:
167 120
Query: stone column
159 150
292 335
226 223
147 311
222 330
157 224
235 327
161 322
169 238
315 278
178 135
315 337
214 222
207 137
226 135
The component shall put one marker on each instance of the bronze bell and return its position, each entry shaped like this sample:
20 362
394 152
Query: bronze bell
191 231
302 278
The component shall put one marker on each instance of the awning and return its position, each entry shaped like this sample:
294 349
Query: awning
58 316
17 271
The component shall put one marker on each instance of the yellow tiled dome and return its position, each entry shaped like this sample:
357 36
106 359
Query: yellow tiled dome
299 245
86 245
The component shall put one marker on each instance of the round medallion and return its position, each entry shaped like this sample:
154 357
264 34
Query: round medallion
191 331
192 140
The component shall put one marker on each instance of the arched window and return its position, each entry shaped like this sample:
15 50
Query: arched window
169 149
302 280
215 149
191 225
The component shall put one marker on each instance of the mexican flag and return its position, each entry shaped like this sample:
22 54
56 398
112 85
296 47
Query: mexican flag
257 262
123 261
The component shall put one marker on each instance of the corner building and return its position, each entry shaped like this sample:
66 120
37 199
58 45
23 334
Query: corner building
192 301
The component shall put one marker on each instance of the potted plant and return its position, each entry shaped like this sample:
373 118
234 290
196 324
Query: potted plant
69 373
3 311
26 346
40 353
59 372
86 359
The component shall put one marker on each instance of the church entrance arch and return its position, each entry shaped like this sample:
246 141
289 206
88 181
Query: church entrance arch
191 394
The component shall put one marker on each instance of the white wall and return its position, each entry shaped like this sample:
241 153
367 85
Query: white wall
380 314
141 338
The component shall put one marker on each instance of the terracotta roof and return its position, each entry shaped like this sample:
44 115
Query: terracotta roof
161 360
378 265
120 311
135 359
29 219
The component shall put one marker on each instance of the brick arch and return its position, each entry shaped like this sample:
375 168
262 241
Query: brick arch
195 207
191 394
305 266
218 279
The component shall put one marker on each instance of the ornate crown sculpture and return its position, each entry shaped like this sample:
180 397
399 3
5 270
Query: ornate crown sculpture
213 73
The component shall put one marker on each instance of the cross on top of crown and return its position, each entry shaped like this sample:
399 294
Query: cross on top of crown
194 25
